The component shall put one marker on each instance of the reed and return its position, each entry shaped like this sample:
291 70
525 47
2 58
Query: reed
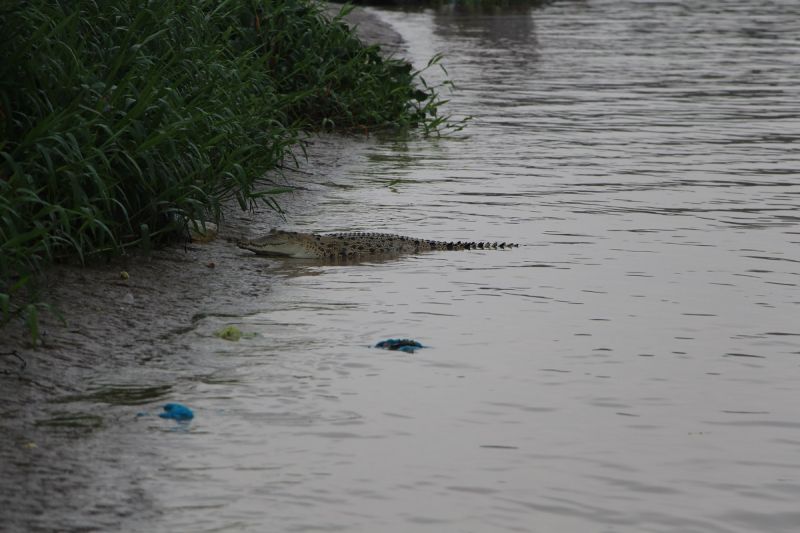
121 120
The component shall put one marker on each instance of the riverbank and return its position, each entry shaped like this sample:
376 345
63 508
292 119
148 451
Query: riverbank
209 120
108 314
118 321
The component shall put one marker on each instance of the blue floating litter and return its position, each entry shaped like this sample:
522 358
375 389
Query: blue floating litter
409 349
177 412
400 345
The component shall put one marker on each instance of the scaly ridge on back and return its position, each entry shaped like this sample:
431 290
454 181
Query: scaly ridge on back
351 245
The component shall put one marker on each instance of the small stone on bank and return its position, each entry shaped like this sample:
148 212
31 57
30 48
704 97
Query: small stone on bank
200 236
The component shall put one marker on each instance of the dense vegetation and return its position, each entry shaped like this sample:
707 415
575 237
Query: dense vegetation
123 120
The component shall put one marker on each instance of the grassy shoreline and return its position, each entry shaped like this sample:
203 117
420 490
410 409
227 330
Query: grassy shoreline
122 122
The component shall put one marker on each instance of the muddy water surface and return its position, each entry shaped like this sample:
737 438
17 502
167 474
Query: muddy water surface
633 366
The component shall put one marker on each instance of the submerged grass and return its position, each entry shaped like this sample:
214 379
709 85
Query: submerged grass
122 121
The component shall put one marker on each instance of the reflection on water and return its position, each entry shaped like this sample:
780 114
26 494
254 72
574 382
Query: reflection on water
508 26
121 395
632 367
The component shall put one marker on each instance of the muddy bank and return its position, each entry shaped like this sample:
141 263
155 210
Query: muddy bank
372 30
71 457
113 321
55 478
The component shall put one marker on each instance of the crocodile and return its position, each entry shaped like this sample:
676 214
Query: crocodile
350 245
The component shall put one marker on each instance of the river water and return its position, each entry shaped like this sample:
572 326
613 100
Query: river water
632 366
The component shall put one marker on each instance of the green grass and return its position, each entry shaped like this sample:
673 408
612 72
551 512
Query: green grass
123 120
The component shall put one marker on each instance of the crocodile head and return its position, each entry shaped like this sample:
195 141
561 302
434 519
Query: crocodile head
281 243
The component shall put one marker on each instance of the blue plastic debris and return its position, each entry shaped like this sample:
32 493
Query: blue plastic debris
400 345
177 412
